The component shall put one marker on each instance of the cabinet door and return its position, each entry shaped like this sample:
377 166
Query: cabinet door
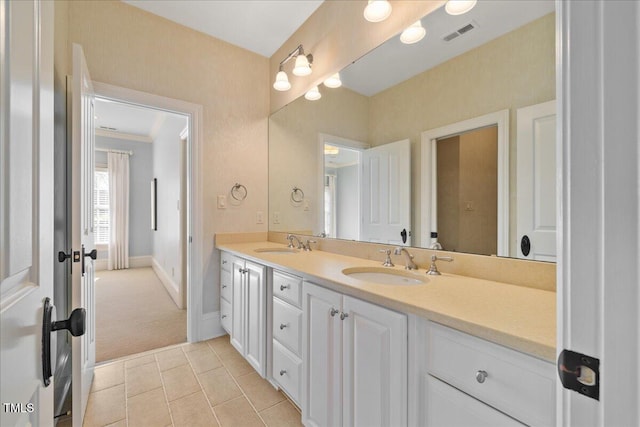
449 407
374 371
237 305
255 331
321 357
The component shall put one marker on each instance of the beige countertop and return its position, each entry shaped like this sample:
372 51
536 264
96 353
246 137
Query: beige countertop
514 316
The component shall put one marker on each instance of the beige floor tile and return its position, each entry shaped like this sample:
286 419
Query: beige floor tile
171 358
204 360
121 423
192 411
105 407
193 346
179 382
148 409
261 394
282 415
107 376
137 361
65 422
221 344
142 378
236 365
219 386
237 412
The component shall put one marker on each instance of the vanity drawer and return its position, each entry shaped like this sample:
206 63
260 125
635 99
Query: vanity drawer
226 260
519 385
287 325
225 284
225 315
287 369
287 287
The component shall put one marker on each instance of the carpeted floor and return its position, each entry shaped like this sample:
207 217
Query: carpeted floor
134 313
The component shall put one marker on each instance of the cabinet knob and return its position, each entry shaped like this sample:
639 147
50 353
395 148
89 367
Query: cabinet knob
282 326
481 376
283 287
224 261
282 372
343 315
224 286
224 316
333 312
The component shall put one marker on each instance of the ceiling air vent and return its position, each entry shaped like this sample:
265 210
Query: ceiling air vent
460 31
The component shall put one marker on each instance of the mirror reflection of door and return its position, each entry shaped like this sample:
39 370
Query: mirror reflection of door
467 191
342 191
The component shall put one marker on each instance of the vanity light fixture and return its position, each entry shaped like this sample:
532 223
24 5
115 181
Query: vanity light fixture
331 150
413 34
282 81
333 81
377 10
313 94
302 68
458 7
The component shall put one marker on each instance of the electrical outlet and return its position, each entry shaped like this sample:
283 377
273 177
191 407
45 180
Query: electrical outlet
276 217
469 206
222 201
306 205
259 217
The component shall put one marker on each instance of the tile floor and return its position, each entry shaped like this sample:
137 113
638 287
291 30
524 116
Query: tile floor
203 384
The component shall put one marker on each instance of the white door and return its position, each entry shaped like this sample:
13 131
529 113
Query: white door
255 320
83 348
386 184
374 370
321 356
26 208
536 177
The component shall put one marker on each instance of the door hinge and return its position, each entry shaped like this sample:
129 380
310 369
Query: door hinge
579 372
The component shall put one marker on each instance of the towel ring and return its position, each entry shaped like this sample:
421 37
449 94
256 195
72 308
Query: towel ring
239 192
297 195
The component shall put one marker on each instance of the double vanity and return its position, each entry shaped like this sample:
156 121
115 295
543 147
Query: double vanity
352 342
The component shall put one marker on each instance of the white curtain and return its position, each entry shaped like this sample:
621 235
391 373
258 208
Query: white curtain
118 164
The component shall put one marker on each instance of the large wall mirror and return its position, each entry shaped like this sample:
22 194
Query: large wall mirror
446 143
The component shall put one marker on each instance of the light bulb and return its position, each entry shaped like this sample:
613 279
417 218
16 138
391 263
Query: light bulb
282 82
458 7
302 67
333 81
377 10
413 34
313 94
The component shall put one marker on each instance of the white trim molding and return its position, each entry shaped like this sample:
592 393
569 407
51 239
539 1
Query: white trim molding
134 262
195 232
429 181
172 288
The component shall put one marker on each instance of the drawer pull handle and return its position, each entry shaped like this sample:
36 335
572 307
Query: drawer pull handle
481 376
224 286
224 261
224 316
333 312
282 372
343 315
283 287
282 326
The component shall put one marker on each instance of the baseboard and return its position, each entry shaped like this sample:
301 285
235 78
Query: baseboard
210 326
171 287
134 262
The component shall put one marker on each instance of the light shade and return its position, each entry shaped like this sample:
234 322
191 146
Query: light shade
302 67
413 34
458 7
331 150
377 10
313 94
333 81
282 82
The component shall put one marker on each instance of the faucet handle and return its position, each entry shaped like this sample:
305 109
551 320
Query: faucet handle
308 245
435 258
387 262
433 268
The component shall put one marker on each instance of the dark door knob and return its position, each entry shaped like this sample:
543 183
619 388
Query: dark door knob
403 234
93 254
525 245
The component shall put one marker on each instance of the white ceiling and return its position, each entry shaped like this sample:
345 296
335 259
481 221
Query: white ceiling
261 26
394 62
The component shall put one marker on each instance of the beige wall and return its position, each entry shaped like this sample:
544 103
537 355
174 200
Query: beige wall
131 48
337 34
512 71
294 152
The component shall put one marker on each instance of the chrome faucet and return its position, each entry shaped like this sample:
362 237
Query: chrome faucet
433 268
291 237
409 264
387 262
307 247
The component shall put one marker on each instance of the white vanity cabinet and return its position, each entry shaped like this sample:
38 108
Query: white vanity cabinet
226 286
248 308
287 333
354 356
470 381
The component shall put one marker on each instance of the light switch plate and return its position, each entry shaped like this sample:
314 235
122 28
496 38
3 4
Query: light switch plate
222 201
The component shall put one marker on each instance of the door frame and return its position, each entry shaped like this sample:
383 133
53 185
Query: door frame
428 172
195 230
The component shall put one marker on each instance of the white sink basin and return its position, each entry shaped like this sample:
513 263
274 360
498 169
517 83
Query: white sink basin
277 250
385 275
